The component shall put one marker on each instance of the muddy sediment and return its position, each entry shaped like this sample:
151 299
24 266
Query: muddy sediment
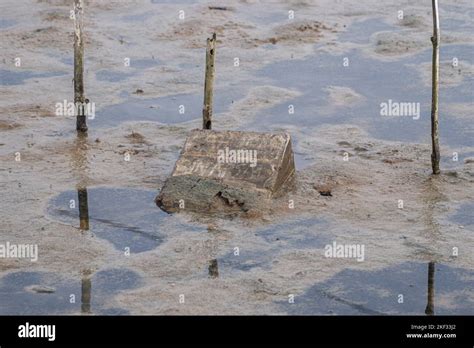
350 186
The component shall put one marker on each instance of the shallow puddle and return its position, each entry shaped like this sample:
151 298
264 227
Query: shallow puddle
135 66
112 76
464 215
39 293
355 292
459 25
167 110
360 31
263 16
11 78
127 218
140 17
376 82
464 10
272 241
7 23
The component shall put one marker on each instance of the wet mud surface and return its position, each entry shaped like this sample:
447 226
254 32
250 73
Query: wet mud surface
353 165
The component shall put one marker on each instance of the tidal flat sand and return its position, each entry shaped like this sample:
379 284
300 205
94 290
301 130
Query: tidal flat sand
334 62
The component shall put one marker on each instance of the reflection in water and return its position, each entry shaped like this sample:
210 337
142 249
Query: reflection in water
213 268
18 297
213 246
361 292
430 305
124 217
86 285
79 163
432 196
83 208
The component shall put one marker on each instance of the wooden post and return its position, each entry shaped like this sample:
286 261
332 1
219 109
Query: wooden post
209 83
213 269
430 303
79 99
435 39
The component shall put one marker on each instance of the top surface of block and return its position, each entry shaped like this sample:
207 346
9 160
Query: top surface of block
259 160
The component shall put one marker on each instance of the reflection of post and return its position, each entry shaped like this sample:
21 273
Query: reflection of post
213 269
430 305
86 285
83 208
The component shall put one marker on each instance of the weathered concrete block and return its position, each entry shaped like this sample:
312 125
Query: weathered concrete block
228 170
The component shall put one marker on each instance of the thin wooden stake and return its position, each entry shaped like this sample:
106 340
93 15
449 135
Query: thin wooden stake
209 83
79 99
435 39
429 310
